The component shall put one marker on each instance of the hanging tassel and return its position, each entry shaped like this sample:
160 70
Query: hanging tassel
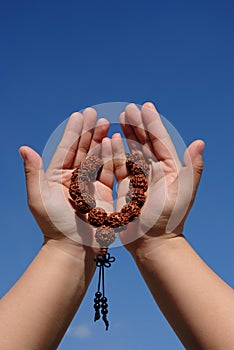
103 259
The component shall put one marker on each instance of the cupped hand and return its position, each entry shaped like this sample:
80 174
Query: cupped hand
48 192
172 185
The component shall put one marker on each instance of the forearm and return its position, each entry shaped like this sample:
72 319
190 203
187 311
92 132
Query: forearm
196 302
36 312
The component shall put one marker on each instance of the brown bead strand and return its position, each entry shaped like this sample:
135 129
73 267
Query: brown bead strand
138 171
108 224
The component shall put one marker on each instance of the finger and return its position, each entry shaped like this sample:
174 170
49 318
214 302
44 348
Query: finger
133 117
65 153
85 140
100 131
193 158
107 173
128 131
162 144
120 169
143 144
186 184
119 157
35 177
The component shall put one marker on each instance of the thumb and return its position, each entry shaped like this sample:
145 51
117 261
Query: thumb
193 158
34 174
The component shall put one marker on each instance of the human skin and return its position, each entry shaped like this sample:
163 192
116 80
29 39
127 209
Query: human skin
37 310
196 302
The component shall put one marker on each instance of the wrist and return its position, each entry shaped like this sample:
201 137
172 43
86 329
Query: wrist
150 248
73 256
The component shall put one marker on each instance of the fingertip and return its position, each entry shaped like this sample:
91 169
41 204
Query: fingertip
90 110
149 105
103 126
22 152
75 121
130 105
117 135
195 149
27 152
201 146
106 139
75 115
122 117
30 157
103 121
123 120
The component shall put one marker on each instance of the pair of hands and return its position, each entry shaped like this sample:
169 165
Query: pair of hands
171 192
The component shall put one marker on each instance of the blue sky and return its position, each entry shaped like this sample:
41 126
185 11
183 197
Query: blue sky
59 57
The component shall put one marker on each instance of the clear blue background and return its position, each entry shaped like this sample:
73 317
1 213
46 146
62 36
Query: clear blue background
61 56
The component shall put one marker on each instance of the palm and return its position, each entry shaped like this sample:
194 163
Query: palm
56 213
62 215
167 202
